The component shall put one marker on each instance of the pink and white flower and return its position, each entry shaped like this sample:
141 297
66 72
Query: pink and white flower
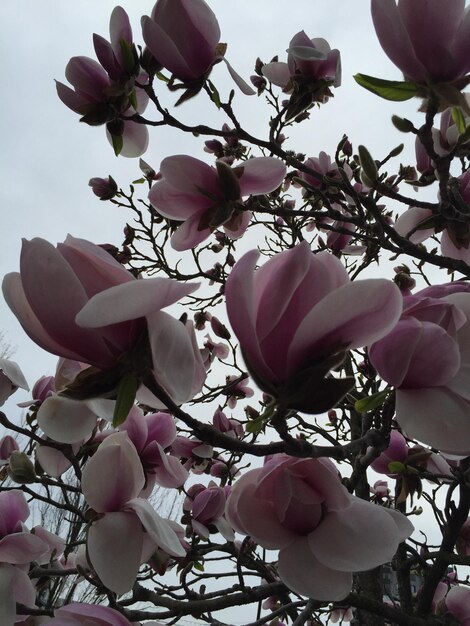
205 198
323 533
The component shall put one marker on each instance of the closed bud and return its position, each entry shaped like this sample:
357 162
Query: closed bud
369 171
21 468
402 124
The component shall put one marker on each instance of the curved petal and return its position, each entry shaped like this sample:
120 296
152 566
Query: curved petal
190 175
114 547
52 461
135 139
435 416
277 73
113 475
240 299
342 542
159 529
132 300
176 204
21 548
87 76
168 471
174 359
409 220
189 235
353 315
65 420
448 248
261 175
301 571
395 40
104 615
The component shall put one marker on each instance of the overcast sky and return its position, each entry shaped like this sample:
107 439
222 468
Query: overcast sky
47 156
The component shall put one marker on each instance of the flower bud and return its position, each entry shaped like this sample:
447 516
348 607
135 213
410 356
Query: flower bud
21 468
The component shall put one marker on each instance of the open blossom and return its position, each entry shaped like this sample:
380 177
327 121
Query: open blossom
205 198
308 60
111 483
297 315
323 533
105 90
426 357
428 40
207 506
75 300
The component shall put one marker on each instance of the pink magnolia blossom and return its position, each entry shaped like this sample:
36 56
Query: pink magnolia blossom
417 225
301 508
325 167
426 357
307 60
75 300
103 188
111 483
105 90
80 614
207 506
7 446
205 197
297 315
11 378
183 36
428 40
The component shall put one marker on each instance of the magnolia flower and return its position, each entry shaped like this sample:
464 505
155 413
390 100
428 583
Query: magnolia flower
308 60
105 90
183 36
207 506
111 483
75 300
206 197
426 357
296 316
428 40
323 533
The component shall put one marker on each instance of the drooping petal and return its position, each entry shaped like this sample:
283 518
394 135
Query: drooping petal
189 234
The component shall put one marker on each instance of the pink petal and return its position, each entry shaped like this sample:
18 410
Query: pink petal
360 538
301 571
52 461
435 416
87 76
409 220
353 315
190 175
189 235
132 300
103 615
135 138
169 472
277 73
113 475
176 204
261 175
395 40
238 80
114 548
65 420
21 548
174 360
159 529
449 249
